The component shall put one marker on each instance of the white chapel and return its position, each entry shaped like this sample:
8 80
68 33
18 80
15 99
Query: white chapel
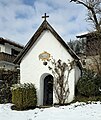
46 40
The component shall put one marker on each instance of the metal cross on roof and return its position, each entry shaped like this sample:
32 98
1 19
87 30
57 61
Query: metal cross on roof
45 16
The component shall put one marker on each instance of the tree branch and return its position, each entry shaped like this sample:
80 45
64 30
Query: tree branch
92 10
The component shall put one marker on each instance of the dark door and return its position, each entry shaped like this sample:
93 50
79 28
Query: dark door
48 90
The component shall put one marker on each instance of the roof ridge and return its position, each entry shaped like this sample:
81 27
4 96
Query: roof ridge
11 41
45 25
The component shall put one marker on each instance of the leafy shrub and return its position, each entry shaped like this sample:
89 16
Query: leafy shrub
89 84
24 96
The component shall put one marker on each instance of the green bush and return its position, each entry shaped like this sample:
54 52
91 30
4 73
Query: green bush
87 99
24 96
89 84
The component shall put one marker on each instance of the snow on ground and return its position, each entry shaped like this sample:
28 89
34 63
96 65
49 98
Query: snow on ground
76 111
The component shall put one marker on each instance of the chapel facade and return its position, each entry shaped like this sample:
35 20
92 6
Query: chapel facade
46 42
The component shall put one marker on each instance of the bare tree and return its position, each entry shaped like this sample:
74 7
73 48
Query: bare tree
61 72
93 40
94 11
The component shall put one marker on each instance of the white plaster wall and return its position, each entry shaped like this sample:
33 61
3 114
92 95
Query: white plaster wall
2 48
71 83
77 74
7 48
31 68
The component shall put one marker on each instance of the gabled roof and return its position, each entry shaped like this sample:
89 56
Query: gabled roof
90 34
3 41
44 26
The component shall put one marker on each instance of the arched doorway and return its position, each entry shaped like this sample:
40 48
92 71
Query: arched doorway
48 90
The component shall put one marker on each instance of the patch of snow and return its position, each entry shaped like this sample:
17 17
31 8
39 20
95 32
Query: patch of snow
76 111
